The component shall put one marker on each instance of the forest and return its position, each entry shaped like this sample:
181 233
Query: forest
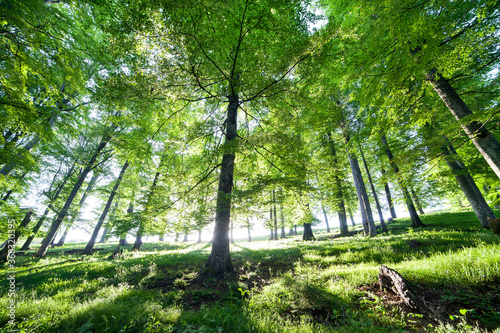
250 166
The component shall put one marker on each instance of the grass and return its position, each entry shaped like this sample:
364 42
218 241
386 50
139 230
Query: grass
278 286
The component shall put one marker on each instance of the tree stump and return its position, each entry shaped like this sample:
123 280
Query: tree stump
389 279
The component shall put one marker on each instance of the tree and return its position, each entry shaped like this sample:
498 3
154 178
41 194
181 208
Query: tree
89 166
90 245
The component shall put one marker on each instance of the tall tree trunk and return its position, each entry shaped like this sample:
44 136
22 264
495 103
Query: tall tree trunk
140 230
485 142
326 217
273 207
344 230
249 229
90 245
351 217
290 231
103 236
282 219
364 202
53 198
415 219
176 239
417 201
219 261
42 251
377 204
76 211
389 198
468 186
14 237
295 233
185 237
199 236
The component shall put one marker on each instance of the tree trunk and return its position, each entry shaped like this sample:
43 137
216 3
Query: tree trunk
326 217
272 233
103 236
295 233
123 240
351 217
77 210
468 186
10 245
219 261
42 251
389 198
417 201
377 204
364 203
290 231
199 236
275 217
90 245
248 229
344 230
39 224
415 219
282 220
308 233
185 237
485 142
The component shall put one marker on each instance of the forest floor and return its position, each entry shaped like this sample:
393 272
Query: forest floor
329 285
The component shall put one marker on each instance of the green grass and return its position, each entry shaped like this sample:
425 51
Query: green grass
279 286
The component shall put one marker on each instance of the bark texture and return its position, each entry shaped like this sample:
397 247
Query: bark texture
485 142
468 186
90 245
308 233
42 251
415 219
12 241
374 193
219 262
389 198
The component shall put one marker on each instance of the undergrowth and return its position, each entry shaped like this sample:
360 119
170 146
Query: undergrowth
278 286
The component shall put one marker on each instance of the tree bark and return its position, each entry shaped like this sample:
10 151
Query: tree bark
42 251
417 201
185 237
468 186
308 233
374 193
76 212
199 236
14 237
326 217
485 142
295 233
219 261
344 230
282 219
248 229
364 202
415 219
53 198
351 217
274 216
90 245
389 198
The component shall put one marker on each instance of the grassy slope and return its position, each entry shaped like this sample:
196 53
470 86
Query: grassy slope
279 286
